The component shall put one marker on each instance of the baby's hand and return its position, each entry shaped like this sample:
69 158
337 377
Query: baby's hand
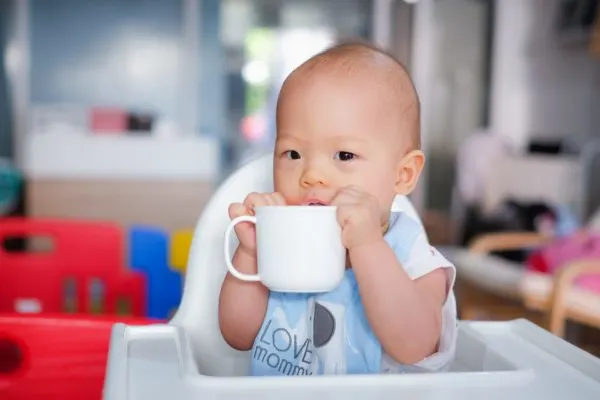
246 231
359 215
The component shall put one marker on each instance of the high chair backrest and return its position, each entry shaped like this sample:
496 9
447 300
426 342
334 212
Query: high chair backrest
206 269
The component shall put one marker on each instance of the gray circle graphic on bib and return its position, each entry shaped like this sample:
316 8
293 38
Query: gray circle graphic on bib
323 325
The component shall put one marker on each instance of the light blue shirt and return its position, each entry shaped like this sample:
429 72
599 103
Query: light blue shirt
328 333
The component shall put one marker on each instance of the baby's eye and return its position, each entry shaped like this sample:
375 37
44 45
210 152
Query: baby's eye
292 154
345 156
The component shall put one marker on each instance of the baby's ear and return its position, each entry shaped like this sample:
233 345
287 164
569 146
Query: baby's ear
409 171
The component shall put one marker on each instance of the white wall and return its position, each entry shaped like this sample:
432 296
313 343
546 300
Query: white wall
47 154
448 67
540 88
86 156
421 66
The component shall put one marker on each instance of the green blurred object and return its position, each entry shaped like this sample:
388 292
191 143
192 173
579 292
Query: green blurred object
11 180
259 48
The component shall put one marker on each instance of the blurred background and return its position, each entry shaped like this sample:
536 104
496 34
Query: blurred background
134 111
116 109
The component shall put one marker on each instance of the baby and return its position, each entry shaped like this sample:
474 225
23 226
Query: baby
347 136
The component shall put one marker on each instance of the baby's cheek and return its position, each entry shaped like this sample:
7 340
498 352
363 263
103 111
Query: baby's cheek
289 194
281 186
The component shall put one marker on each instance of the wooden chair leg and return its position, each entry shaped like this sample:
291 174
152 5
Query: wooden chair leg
559 310
558 320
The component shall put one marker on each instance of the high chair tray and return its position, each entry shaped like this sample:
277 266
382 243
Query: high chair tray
494 360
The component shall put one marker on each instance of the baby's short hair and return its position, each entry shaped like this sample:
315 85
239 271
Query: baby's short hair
344 55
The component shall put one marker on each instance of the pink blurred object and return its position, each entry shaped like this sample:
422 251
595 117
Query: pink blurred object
580 246
108 120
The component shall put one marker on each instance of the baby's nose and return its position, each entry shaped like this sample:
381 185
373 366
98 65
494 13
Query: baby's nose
313 177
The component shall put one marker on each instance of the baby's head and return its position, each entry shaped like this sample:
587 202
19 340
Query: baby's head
347 116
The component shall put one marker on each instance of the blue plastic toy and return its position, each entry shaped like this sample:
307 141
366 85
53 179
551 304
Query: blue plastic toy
148 253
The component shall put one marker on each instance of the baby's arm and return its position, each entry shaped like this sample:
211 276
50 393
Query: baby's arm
242 305
404 314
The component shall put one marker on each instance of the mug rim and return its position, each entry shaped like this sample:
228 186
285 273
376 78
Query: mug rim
297 207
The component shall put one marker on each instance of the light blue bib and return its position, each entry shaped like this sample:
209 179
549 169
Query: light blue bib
327 333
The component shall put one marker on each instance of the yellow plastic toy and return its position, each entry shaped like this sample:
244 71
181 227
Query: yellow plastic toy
181 241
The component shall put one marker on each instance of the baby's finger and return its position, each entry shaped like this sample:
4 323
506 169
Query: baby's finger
343 197
354 191
269 199
344 213
237 210
255 200
278 199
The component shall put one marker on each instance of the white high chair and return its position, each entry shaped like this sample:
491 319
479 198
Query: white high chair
188 358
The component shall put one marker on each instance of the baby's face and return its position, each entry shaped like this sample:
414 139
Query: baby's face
333 133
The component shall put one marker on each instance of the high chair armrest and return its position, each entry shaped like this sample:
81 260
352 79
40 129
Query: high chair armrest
503 241
154 354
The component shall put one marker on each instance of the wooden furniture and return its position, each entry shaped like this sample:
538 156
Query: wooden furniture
506 241
487 286
595 42
556 295
169 204
570 303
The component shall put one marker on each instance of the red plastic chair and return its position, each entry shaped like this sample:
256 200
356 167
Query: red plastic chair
60 357
84 254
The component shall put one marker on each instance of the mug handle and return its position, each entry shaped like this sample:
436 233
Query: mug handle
241 276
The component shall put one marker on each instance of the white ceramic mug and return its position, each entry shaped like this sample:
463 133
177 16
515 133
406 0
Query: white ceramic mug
299 248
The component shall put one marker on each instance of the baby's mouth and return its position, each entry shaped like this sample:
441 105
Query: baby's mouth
314 203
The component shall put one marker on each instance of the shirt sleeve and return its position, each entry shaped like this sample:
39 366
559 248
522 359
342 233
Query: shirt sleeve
423 259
